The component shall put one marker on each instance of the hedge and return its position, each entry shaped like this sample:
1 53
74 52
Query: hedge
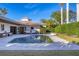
70 28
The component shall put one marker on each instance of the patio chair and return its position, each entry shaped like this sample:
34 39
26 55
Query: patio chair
4 34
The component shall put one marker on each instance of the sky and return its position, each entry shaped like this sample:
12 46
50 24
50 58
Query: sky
34 11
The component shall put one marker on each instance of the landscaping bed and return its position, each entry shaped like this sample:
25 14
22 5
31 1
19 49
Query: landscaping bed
69 38
69 32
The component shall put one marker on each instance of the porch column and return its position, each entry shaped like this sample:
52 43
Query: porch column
25 29
77 12
17 29
67 13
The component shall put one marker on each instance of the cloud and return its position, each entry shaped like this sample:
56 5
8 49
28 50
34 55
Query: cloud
37 10
30 6
34 12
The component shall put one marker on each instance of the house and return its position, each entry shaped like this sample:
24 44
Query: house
16 27
30 25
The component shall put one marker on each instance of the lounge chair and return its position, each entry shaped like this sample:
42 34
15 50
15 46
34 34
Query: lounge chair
9 34
4 34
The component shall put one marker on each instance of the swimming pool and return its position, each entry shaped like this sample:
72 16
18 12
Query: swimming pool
32 39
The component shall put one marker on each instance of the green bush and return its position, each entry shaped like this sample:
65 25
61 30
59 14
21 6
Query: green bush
70 29
46 30
58 29
73 42
46 38
77 43
49 40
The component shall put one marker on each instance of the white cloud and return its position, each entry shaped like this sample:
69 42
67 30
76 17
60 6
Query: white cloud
35 12
30 6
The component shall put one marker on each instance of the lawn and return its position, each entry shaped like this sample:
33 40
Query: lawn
39 53
69 38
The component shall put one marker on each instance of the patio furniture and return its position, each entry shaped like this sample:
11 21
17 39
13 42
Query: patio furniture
9 34
2 35
5 34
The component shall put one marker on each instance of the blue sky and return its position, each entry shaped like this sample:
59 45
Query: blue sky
34 11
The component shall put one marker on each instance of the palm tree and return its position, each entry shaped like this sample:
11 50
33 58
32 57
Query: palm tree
77 12
48 25
62 4
67 11
3 11
49 22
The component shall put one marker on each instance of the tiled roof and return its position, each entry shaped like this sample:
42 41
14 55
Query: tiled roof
8 20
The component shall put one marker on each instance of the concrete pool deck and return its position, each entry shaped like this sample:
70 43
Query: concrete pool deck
58 44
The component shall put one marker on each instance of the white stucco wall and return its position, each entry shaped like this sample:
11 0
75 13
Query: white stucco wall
6 27
77 11
28 29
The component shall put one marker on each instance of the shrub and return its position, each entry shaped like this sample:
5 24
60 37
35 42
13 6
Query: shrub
58 29
49 40
70 29
77 43
73 42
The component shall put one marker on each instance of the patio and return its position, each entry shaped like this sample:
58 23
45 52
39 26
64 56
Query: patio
58 44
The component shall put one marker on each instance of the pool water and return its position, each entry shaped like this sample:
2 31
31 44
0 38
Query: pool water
32 39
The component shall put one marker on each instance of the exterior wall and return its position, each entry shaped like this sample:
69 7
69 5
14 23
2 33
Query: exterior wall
6 27
37 29
77 11
27 29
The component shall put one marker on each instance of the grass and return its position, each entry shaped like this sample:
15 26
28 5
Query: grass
39 53
69 38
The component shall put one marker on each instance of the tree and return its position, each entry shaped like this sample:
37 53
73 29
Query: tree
3 11
57 15
72 16
48 25
48 22
61 4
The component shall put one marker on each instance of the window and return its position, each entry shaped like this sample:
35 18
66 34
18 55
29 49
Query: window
2 27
